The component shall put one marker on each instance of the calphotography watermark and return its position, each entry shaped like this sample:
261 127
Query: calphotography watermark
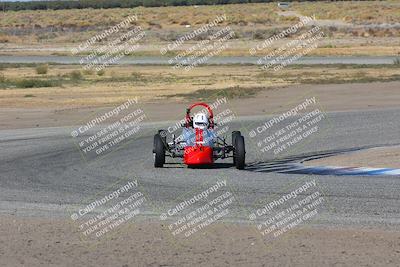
282 214
108 130
288 129
109 210
290 51
203 50
214 42
190 36
197 211
283 34
110 46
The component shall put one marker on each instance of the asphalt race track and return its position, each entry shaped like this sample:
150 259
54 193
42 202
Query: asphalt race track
43 173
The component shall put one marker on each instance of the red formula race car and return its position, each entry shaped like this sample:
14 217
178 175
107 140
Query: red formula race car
199 143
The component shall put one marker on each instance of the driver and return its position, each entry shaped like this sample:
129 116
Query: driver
201 121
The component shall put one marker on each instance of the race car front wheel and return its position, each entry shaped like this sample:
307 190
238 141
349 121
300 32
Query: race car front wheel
159 151
239 153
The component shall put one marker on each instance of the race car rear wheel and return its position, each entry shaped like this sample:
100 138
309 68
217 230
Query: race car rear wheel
159 151
234 135
240 152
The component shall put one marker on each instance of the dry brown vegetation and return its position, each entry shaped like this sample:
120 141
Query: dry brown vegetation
358 12
249 21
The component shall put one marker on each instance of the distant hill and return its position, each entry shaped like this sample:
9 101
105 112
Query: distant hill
80 4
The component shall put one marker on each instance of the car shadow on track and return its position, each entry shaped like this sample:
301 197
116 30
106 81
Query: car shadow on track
294 163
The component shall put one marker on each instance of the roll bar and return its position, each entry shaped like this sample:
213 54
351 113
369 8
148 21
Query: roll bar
188 119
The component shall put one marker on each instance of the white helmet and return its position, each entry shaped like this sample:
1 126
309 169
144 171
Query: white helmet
200 121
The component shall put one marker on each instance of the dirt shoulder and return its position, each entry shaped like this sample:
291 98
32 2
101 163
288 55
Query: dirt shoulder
39 242
387 157
67 86
330 97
